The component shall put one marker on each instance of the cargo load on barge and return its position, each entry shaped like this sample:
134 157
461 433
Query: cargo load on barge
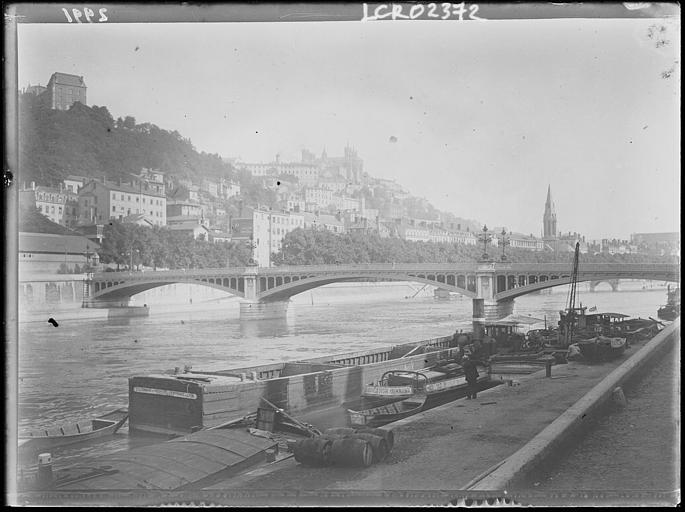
196 400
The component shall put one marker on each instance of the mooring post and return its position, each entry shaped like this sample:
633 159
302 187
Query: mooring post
44 475
618 397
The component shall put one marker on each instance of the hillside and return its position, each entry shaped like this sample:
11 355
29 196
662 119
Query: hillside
88 141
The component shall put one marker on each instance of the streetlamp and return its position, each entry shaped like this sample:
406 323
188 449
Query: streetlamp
88 256
252 245
504 241
485 238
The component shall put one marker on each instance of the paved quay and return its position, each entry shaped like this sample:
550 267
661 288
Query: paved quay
461 444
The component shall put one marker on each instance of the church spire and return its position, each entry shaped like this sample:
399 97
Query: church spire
549 205
549 219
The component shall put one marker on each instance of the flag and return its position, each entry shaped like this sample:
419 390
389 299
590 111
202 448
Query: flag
593 308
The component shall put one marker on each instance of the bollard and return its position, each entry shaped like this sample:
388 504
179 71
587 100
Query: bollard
548 369
44 475
618 397
271 455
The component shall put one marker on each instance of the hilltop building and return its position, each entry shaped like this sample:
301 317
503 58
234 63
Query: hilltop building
64 90
57 204
101 201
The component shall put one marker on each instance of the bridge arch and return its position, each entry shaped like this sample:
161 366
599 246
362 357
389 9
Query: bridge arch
306 283
545 281
124 290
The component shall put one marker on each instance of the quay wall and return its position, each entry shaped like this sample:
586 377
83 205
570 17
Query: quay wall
514 470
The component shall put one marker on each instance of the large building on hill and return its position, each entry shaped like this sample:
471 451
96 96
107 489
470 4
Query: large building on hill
264 231
100 201
57 204
63 90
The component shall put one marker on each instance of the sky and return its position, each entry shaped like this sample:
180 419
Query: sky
477 117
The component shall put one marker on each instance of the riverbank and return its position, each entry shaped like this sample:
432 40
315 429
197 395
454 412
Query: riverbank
450 446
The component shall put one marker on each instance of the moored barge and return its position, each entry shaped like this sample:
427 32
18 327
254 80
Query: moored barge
196 400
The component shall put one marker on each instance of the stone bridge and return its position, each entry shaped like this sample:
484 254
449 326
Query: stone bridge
492 286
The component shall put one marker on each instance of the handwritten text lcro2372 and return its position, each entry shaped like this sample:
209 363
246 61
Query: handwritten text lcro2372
435 11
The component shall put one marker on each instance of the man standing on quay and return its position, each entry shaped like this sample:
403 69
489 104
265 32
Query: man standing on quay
471 373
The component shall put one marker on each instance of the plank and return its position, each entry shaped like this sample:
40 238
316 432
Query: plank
183 457
220 406
70 430
149 476
217 457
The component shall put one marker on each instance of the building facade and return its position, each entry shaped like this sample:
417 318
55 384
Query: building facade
57 204
63 90
42 253
100 201
264 230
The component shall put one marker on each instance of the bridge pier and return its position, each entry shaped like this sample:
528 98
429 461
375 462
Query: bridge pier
255 310
484 311
612 282
117 308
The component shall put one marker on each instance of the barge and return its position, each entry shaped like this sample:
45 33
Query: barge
177 404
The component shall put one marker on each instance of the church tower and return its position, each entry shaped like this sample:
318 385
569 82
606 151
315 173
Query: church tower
549 219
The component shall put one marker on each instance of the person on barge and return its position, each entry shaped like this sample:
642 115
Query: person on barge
471 374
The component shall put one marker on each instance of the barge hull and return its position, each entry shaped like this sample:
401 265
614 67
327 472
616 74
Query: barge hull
179 404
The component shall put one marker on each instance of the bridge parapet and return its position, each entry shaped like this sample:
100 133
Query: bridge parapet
492 281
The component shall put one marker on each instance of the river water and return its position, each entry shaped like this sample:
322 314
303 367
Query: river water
80 368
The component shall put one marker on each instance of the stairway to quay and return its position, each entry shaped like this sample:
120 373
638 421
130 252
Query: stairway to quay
483 448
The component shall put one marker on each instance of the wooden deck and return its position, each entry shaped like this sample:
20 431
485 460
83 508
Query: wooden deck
190 462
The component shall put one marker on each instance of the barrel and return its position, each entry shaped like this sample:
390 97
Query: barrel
378 445
315 451
351 452
385 434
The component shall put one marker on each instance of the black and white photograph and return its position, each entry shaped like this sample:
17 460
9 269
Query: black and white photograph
346 254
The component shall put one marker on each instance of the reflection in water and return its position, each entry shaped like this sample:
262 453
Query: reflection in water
269 328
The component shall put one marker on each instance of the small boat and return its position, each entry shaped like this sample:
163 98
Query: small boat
671 310
72 433
598 349
383 414
444 378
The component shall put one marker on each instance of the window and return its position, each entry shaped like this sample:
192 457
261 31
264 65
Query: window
114 208
52 209
129 198
137 199
122 197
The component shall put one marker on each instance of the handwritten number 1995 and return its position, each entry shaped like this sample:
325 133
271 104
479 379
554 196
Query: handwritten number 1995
87 13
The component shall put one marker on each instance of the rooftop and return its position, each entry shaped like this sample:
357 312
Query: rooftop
124 187
67 79
56 244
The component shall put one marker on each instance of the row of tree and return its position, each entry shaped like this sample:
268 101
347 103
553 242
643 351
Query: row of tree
127 245
320 247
